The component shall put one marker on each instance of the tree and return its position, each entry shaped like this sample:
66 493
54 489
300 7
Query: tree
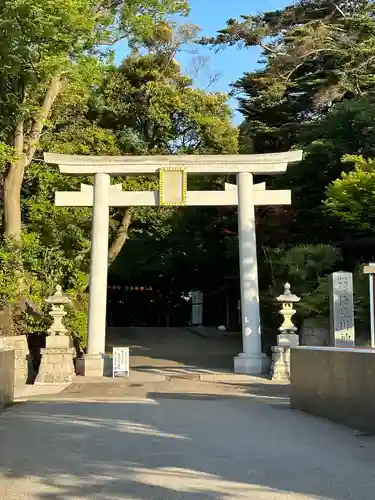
314 53
44 47
153 109
307 268
351 197
346 129
56 240
313 90
149 100
52 57
144 107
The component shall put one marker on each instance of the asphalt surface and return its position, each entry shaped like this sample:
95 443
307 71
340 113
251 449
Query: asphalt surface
179 446
180 439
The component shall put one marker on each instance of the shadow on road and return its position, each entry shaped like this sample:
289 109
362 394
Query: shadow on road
166 449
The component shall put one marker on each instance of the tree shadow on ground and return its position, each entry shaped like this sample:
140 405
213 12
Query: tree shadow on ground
165 449
276 394
275 401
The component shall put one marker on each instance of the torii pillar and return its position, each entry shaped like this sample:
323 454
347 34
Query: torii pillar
173 171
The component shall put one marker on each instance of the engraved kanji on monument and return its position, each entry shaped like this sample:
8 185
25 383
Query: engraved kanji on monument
342 310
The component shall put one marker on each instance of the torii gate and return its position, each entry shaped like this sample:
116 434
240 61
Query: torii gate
173 171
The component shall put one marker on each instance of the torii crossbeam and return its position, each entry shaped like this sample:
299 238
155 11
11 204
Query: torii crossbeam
173 171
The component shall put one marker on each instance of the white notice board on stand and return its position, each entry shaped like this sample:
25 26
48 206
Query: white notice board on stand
121 365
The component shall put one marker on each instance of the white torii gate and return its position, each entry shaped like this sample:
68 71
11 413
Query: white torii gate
173 171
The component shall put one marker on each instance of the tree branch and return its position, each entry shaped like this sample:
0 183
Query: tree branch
339 10
121 236
18 138
304 60
267 48
365 63
31 142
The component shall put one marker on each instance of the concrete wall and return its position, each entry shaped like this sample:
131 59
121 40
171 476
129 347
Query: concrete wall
19 344
6 377
335 383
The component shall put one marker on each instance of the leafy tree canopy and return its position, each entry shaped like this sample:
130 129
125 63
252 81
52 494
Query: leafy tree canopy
351 197
314 53
53 46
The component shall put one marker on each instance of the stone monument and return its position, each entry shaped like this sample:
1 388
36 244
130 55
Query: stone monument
341 310
280 368
56 365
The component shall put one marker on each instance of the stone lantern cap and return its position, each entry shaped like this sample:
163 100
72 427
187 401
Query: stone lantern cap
288 296
58 298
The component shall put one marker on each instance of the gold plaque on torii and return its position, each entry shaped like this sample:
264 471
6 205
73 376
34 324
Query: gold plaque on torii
172 186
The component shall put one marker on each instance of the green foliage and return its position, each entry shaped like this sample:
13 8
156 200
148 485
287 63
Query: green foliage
306 268
314 54
10 271
6 154
81 137
351 198
58 37
39 272
139 17
346 129
149 99
76 318
59 41
314 91
145 106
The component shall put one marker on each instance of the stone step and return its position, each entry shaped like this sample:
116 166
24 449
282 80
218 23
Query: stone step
195 374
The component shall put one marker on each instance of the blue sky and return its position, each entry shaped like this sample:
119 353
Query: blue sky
229 63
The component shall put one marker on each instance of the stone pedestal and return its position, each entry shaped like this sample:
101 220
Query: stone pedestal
288 340
56 366
90 365
251 364
280 368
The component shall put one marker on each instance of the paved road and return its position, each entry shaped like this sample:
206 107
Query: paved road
179 447
167 347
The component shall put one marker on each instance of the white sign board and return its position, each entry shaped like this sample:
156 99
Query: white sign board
342 310
121 366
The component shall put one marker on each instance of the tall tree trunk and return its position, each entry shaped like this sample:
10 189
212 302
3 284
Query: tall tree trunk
121 236
25 146
33 137
12 186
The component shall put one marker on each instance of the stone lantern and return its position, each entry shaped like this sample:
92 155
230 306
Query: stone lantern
56 365
288 329
57 301
287 338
